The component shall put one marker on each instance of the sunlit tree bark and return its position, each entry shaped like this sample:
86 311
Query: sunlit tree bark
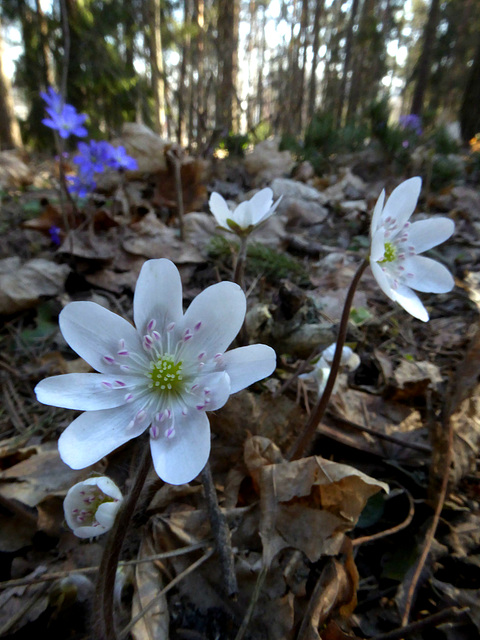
9 130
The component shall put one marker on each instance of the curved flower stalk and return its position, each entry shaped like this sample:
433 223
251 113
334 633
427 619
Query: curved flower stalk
91 506
247 215
162 375
396 244
322 367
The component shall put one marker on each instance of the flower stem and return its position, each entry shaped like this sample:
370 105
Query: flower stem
221 533
239 275
103 608
317 414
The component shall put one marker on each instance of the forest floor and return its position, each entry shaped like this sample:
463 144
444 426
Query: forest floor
335 569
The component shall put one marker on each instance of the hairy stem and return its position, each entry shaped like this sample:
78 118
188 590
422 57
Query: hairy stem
239 275
316 416
103 609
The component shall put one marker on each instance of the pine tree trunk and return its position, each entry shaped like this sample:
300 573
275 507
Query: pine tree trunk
315 48
470 109
9 130
227 27
156 63
424 62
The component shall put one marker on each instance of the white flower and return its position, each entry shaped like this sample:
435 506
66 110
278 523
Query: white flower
247 215
321 369
165 374
91 506
396 243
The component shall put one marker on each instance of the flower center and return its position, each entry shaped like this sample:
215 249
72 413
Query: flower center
166 374
390 253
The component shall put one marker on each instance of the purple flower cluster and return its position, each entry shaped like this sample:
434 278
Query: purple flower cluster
63 117
411 123
94 157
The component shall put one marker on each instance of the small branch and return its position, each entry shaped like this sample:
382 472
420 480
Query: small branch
430 621
306 436
433 528
103 609
221 533
356 542
252 604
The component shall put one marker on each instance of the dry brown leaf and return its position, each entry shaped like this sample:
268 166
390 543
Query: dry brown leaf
305 496
23 286
155 622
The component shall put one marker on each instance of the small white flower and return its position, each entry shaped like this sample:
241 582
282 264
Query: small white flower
396 243
247 215
165 374
91 506
321 369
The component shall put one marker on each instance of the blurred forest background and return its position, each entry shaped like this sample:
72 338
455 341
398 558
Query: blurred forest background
329 74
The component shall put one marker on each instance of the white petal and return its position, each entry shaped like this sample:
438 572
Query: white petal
377 212
106 514
383 280
246 365
180 459
89 532
218 385
94 434
428 275
220 209
402 201
83 391
243 215
425 234
260 205
409 300
221 311
93 332
158 296
108 487
377 250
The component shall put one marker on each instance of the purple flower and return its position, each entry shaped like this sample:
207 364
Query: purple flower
93 156
81 185
53 99
55 237
66 121
119 159
412 123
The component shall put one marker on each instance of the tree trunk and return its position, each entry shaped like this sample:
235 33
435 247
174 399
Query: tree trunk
227 27
424 63
315 48
9 130
346 61
187 22
470 109
156 63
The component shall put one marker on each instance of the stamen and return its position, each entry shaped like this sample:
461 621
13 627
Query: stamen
171 327
201 355
109 359
170 432
123 352
120 383
156 336
197 326
151 325
128 398
154 432
107 385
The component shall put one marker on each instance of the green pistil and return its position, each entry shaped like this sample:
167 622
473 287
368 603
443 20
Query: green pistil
389 254
166 374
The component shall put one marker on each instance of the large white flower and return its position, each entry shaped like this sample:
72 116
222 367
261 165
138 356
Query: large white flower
91 506
165 374
396 243
247 215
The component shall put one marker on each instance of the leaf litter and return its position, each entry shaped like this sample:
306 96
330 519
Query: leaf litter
293 523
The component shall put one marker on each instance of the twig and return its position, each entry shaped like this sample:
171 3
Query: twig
356 542
57 575
103 609
306 436
436 519
173 156
252 604
430 621
169 586
221 534
424 448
